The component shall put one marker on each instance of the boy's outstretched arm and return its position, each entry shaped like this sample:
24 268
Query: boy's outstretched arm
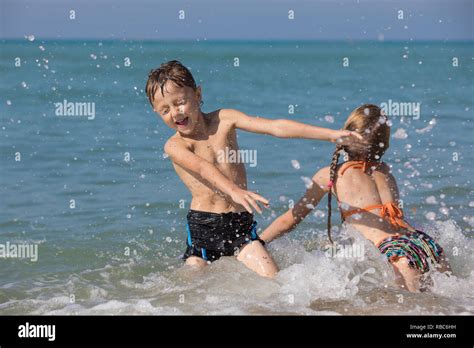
283 128
183 157
286 222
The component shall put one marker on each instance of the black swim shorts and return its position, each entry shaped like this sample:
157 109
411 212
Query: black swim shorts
212 235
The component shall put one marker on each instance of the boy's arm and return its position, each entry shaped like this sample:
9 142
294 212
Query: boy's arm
283 128
182 156
286 222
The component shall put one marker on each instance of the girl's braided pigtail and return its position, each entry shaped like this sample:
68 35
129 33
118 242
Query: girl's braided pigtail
332 175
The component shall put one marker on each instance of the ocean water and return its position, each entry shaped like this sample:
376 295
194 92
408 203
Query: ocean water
107 212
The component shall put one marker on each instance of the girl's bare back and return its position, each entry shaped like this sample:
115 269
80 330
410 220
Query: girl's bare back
357 187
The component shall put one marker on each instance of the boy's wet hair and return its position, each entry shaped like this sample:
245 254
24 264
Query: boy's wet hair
369 121
172 71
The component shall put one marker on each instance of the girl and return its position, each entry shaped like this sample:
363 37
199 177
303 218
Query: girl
368 199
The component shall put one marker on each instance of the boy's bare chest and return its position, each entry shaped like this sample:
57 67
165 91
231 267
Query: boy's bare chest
215 146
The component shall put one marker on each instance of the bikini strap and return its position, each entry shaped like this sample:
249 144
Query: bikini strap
361 210
364 165
388 211
394 214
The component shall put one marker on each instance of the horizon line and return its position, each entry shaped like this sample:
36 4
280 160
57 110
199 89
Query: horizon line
236 40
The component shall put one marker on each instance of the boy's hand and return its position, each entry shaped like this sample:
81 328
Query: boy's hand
348 138
248 199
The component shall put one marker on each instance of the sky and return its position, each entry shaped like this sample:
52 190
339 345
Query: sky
238 19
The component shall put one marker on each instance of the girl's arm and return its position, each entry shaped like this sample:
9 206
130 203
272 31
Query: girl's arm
294 216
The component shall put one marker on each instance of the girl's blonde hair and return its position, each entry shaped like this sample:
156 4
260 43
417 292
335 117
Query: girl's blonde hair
369 121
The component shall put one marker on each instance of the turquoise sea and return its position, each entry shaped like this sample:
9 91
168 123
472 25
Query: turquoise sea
105 209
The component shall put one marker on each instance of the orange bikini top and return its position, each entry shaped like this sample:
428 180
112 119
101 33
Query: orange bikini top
359 165
389 211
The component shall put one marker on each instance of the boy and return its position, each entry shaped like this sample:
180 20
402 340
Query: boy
220 220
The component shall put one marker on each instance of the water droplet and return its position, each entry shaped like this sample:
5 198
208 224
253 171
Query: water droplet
307 181
444 210
295 164
400 134
345 206
329 119
469 220
319 214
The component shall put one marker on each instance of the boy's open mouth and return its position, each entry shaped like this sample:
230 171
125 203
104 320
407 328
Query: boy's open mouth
183 122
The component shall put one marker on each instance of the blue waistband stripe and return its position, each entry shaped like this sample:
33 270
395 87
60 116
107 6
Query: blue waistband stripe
254 230
189 235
